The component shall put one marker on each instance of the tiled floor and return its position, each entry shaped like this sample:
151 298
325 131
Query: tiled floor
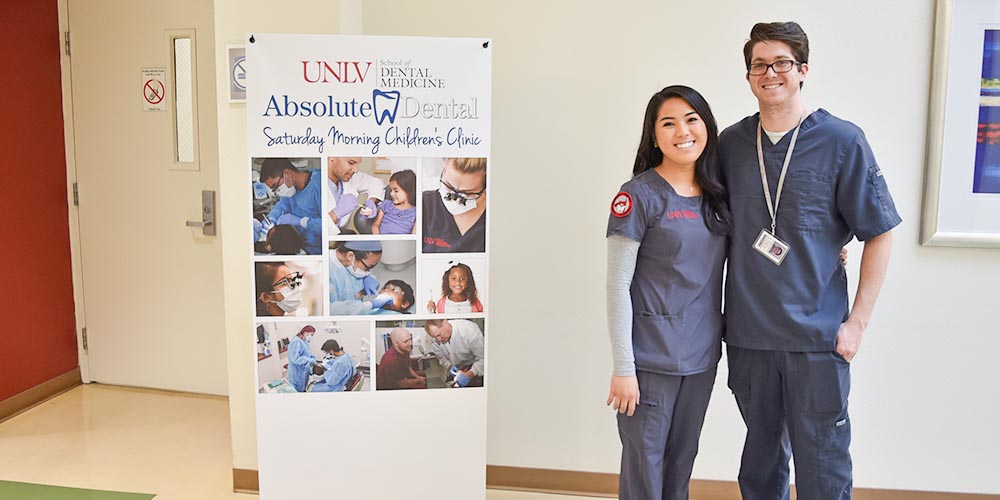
112 438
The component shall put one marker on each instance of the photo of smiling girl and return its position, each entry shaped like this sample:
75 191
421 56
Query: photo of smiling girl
455 287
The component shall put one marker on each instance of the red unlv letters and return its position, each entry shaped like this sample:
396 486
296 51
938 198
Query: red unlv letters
338 71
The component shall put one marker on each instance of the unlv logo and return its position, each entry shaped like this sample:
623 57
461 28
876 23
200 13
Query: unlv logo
621 205
338 71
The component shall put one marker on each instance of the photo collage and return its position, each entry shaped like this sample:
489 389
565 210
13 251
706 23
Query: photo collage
355 252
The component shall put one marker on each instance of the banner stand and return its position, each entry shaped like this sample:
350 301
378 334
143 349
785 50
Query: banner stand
369 172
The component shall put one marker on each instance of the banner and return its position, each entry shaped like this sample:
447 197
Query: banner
369 175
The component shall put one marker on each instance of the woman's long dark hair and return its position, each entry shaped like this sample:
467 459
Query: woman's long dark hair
714 206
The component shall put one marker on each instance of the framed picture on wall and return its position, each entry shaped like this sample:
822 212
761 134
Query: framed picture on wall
962 185
237 59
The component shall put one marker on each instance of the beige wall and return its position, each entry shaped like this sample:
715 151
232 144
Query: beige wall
233 19
570 84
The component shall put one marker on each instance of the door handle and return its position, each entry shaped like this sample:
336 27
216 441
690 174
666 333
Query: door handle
207 222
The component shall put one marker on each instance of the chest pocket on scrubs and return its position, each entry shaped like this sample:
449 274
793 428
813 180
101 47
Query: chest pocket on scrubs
810 199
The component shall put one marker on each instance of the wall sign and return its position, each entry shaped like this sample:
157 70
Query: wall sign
154 89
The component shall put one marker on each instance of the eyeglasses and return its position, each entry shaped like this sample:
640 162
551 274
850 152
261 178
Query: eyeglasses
293 280
392 289
459 196
782 66
364 264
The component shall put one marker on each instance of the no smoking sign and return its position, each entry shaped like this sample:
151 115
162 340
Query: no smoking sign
153 89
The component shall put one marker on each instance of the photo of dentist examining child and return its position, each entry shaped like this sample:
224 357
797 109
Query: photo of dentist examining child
430 354
371 195
287 197
323 356
372 277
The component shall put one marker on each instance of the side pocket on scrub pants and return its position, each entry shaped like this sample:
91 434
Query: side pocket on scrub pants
834 457
643 428
828 384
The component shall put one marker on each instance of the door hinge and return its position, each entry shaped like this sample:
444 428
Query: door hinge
76 194
66 34
83 334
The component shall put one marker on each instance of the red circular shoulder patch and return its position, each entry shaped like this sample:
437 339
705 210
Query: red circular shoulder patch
621 205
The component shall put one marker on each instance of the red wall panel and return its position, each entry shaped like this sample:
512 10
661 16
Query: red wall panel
37 324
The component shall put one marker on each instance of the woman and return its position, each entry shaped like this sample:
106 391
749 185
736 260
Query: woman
351 264
300 358
279 291
666 249
455 213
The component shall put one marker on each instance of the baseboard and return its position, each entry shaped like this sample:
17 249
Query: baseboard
564 482
604 485
246 481
25 400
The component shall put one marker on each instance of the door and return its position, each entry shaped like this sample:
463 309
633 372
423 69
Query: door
146 147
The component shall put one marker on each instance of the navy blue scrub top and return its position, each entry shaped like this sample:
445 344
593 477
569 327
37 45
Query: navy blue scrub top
676 291
441 234
833 191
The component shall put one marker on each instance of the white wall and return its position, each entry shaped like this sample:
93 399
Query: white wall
570 84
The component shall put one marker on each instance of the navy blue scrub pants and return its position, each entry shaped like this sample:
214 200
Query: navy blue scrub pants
660 440
794 404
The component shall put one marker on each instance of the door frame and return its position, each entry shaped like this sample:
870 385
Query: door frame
69 136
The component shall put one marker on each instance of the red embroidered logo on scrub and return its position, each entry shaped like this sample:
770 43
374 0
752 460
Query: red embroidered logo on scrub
438 242
681 214
621 205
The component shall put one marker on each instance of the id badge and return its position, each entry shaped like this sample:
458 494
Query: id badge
771 247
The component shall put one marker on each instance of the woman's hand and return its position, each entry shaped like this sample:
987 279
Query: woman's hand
843 256
624 394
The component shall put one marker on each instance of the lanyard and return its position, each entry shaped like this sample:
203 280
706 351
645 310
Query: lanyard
773 209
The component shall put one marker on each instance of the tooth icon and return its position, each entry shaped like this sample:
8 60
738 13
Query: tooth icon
386 104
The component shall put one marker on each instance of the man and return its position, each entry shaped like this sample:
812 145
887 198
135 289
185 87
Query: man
459 346
300 203
338 368
343 179
395 371
300 358
790 337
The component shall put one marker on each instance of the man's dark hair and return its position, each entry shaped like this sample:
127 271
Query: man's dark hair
789 33
407 290
331 346
275 167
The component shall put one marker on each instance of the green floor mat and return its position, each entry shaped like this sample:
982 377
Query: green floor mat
10 490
